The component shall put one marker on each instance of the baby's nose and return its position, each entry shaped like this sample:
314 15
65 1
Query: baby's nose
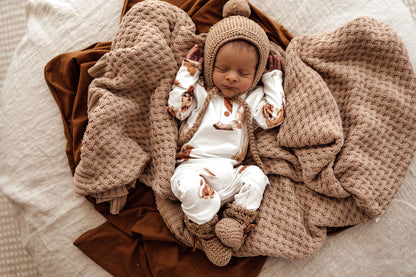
232 76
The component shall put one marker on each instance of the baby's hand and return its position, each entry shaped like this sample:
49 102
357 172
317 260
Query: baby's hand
273 63
193 54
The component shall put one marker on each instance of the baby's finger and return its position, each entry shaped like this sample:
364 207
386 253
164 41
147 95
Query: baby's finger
270 62
193 53
274 62
279 64
195 50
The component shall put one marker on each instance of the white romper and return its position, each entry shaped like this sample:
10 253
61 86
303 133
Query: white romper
209 171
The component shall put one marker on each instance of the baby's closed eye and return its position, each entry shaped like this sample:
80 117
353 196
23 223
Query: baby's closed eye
246 74
220 68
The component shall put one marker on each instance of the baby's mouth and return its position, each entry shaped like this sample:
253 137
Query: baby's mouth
229 87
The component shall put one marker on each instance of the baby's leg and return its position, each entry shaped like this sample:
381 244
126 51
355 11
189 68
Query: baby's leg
200 202
252 182
238 217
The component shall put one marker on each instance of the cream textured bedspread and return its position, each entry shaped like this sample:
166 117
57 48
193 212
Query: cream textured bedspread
385 246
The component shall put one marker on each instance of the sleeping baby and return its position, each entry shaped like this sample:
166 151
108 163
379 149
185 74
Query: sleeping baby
218 113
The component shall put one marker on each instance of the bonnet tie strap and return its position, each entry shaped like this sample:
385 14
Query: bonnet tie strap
247 116
251 138
191 132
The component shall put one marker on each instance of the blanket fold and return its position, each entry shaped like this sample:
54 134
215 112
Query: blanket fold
345 146
127 104
330 163
347 141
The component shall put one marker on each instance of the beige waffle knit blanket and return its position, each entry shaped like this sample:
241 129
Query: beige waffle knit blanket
337 160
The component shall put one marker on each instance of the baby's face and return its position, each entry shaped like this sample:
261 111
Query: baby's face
234 69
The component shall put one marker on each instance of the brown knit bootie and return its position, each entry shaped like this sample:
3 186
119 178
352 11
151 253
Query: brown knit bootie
235 225
216 252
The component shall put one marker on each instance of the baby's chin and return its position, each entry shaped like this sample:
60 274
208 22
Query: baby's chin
230 92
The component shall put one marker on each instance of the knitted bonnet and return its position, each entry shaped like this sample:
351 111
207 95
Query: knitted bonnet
235 26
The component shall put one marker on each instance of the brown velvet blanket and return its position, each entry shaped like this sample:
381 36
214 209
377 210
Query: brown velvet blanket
137 242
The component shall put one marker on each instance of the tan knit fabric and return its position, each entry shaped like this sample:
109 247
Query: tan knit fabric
343 150
347 141
128 122
216 252
234 225
236 7
337 160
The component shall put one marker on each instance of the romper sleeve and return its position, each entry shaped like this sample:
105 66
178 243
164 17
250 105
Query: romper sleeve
268 102
182 96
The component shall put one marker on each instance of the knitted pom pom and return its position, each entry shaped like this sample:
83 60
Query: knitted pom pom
236 7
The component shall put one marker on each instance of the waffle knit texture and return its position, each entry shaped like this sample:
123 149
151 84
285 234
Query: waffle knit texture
338 159
127 118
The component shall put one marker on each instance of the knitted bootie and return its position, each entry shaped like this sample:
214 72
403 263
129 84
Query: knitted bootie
235 225
216 252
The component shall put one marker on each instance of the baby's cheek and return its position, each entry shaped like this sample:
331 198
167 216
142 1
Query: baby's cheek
216 78
245 84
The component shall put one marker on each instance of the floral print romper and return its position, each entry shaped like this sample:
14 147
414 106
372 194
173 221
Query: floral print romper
209 170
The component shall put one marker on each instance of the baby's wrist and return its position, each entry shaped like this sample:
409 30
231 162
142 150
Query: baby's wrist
272 73
193 63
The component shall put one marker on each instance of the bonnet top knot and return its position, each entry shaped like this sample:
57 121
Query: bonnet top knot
236 7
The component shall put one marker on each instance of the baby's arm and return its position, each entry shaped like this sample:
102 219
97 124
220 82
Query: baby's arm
181 98
268 102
